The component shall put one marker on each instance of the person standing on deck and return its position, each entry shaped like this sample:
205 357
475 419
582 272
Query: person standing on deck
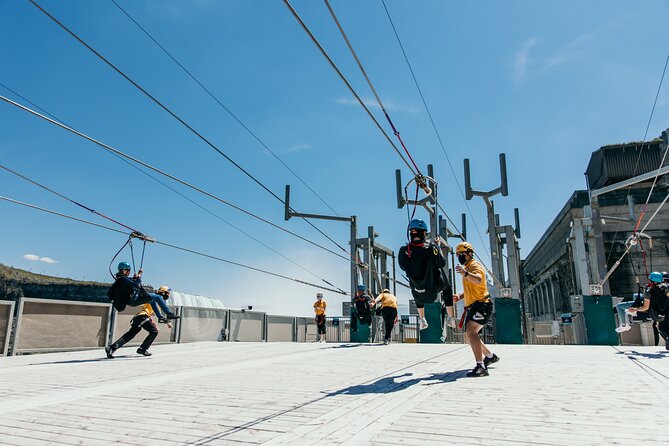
478 307
388 312
319 309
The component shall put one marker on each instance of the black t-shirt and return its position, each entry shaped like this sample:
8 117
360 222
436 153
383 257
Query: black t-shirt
658 298
423 264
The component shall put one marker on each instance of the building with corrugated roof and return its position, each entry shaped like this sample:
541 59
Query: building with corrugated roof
592 231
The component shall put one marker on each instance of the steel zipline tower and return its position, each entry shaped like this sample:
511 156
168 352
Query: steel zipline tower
373 269
509 316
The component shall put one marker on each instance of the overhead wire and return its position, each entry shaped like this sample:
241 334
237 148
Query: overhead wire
635 233
223 106
42 186
185 197
173 246
638 159
413 168
168 175
434 126
179 119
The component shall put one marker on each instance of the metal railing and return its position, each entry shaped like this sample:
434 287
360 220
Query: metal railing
41 325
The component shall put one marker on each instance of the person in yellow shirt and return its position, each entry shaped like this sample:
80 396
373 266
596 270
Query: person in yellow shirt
319 309
388 312
143 319
478 306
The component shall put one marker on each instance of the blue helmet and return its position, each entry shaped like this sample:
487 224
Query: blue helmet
124 265
361 287
417 223
655 277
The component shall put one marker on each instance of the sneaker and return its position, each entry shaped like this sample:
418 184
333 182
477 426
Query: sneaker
172 317
110 352
423 324
487 361
478 372
386 341
143 352
623 328
451 322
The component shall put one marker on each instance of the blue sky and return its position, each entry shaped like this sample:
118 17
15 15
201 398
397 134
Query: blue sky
545 82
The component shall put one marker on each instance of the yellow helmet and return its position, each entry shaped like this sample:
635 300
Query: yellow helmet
463 248
164 289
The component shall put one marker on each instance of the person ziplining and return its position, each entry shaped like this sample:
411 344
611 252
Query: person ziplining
128 291
424 265
142 320
656 303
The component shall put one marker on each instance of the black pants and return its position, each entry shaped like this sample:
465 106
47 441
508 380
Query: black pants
320 323
136 325
389 315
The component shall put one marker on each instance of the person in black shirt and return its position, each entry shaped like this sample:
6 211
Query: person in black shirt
361 310
424 264
655 303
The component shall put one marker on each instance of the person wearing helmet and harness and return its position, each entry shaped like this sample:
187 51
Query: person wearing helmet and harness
423 262
361 309
319 308
142 320
656 303
129 291
478 307
388 312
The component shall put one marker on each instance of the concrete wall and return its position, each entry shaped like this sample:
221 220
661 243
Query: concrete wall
280 328
247 326
46 325
201 324
6 321
122 324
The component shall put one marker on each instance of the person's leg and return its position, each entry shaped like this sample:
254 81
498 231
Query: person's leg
157 300
153 333
472 333
388 322
447 298
656 334
135 327
622 316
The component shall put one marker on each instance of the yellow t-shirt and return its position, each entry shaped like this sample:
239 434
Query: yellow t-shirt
146 310
319 306
388 300
474 292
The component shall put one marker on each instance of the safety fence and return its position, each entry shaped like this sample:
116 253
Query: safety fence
554 332
6 318
44 325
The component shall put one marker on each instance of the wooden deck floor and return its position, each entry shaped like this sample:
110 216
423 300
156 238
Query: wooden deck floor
302 394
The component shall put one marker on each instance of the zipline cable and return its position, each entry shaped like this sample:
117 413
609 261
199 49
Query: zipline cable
638 159
635 233
347 83
168 175
217 100
185 197
178 118
420 179
169 245
135 231
434 126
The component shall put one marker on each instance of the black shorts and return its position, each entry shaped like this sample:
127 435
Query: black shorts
479 312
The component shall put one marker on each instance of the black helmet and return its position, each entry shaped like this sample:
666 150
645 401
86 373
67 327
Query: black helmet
665 276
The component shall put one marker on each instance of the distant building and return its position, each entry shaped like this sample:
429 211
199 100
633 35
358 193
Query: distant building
577 249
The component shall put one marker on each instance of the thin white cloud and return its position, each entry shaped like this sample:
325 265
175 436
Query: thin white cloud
522 59
36 258
371 103
570 51
300 147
